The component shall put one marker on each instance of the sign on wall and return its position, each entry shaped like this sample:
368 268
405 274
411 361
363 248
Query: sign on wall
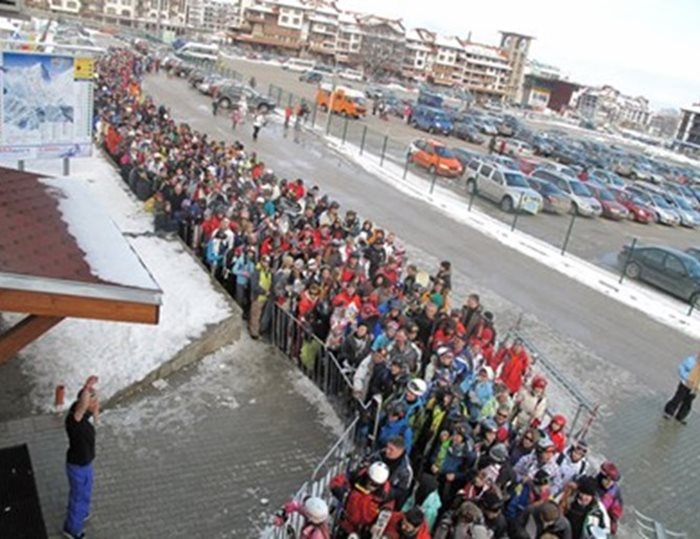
46 106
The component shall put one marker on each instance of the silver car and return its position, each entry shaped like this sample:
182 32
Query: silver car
507 187
581 199
690 218
665 213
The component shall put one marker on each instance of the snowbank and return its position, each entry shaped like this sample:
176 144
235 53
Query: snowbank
657 306
120 353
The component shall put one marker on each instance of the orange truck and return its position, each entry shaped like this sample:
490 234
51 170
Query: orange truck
345 101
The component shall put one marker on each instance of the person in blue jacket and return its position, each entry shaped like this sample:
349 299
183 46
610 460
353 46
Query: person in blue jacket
679 406
243 268
395 423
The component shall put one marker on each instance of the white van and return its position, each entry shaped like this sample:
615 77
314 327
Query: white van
198 51
298 64
351 74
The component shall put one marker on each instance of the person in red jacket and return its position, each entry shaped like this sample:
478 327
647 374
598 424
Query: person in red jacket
514 363
348 296
555 431
407 525
369 494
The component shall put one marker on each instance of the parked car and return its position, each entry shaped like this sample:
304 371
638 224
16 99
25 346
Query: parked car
431 120
581 199
508 188
515 147
612 209
607 177
435 157
229 95
467 132
694 252
351 74
554 199
464 155
669 269
507 162
689 217
636 208
311 76
663 211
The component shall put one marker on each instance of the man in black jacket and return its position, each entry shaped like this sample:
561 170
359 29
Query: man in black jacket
81 453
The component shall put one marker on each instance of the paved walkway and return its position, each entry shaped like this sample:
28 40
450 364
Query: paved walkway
196 458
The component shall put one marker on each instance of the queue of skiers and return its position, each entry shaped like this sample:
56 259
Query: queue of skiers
464 445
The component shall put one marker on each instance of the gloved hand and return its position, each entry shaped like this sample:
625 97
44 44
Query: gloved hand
280 518
289 507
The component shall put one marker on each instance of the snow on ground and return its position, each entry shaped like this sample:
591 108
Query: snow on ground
120 353
657 306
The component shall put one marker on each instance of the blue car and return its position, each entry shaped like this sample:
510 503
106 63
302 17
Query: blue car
431 120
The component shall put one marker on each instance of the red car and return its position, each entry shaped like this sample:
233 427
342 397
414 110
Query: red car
636 208
612 209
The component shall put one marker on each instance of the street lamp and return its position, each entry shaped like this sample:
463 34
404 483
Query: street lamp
332 96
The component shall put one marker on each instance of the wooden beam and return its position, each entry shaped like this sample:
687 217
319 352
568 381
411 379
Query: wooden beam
43 304
20 335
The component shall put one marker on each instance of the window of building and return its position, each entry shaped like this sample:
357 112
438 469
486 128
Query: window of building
355 46
296 21
284 19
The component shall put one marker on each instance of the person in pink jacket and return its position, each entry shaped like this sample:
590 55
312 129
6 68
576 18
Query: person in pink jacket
315 513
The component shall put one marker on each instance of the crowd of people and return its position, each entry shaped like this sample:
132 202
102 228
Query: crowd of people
464 445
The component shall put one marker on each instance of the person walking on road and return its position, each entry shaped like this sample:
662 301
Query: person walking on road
235 118
214 106
258 123
81 452
679 406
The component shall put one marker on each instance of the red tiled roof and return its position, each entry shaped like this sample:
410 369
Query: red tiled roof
35 239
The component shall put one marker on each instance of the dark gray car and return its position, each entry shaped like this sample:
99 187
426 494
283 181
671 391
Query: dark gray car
669 269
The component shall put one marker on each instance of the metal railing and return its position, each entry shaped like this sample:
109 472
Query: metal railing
648 528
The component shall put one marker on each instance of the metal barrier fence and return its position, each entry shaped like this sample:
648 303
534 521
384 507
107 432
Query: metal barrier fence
648 528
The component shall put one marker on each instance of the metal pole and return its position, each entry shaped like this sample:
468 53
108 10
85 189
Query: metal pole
517 213
568 233
381 160
330 100
434 178
289 101
313 116
405 167
20 165
362 142
345 130
693 301
66 166
279 95
471 198
269 90
627 260
158 19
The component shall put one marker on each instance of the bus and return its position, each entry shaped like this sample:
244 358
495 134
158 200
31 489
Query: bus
198 51
299 64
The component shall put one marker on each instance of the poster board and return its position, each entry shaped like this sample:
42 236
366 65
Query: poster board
46 105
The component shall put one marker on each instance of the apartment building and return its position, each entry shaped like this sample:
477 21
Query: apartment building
607 105
323 32
382 46
447 66
486 71
69 7
688 134
277 24
418 56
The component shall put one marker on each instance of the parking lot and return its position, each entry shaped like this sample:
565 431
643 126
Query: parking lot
595 239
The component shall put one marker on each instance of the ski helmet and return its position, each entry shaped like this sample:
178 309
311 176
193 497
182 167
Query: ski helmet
539 382
418 387
316 510
609 470
378 473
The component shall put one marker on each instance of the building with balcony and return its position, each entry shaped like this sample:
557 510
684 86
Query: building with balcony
71 7
323 32
486 71
448 59
212 15
275 24
688 134
382 46
607 105
349 39
516 46
418 56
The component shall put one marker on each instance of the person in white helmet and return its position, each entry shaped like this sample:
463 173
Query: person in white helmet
368 493
316 516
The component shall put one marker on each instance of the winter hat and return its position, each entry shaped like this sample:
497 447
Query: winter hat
498 453
469 512
587 485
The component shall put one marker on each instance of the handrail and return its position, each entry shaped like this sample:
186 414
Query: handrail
342 440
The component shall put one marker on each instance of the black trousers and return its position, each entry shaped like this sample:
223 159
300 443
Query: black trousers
679 405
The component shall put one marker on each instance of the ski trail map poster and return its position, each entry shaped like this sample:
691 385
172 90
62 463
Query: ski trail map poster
46 106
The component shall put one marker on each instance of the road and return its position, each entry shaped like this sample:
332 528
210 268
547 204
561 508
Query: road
621 335
596 240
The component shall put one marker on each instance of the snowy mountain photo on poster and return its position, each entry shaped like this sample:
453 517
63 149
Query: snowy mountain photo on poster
46 110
